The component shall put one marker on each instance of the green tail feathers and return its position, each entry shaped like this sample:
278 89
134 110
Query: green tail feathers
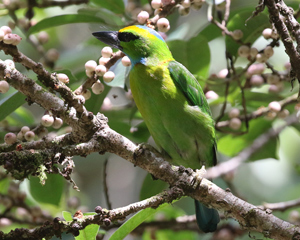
207 218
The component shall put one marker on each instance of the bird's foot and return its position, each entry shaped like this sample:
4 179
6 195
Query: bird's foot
199 176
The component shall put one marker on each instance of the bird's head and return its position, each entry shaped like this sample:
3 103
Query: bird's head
140 43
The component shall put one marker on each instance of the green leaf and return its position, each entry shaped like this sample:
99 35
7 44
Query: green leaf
116 6
211 32
170 234
10 104
231 145
67 216
135 221
109 17
251 29
151 187
62 20
193 54
90 232
51 192
21 116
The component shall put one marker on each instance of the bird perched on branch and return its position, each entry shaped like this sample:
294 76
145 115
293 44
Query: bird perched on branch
171 102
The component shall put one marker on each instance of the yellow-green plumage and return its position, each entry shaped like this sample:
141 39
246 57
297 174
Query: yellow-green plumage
171 102
172 122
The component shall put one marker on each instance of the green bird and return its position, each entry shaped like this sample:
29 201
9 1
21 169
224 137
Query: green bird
171 103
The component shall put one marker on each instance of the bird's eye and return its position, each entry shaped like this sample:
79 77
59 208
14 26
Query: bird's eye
126 36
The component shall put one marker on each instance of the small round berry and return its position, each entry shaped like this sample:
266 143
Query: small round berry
283 113
98 209
223 73
8 38
103 60
273 89
186 3
17 39
10 138
58 122
267 33
244 51
47 120
106 52
62 77
275 106
20 136
126 61
89 73
108 76
156 4
235 112
6 29
52 55
235 123
5 222
100 70
237 34
43 37
9 63
1 35
25 129
273 79
268 51
258 68
163 25
4 86
211 95
256 80
90 65
253 52
261 58
98 87
87 94
29 136
142 17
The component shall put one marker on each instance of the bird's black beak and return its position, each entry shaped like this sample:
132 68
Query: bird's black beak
108 37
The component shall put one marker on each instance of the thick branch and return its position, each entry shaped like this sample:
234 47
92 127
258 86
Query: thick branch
283 27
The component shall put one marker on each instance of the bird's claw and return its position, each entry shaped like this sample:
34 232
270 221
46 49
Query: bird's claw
199 176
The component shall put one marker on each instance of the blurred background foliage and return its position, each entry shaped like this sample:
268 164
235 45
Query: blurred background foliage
271 176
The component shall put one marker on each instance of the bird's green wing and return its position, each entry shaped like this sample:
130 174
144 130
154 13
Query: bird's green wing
189 86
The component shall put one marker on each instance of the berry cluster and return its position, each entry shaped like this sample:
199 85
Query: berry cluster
8 37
